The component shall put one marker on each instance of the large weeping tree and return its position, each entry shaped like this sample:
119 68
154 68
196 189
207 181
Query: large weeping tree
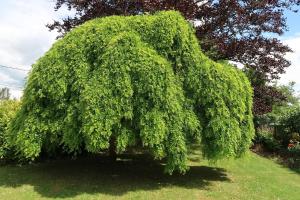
138 81
236 30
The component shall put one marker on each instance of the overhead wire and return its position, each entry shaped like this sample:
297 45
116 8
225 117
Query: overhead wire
16 87
15 68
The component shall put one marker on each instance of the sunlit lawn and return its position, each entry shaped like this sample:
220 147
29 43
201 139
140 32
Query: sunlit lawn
252 177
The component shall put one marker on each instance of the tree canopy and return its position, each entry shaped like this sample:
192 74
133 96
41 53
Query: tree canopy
142 80
239 30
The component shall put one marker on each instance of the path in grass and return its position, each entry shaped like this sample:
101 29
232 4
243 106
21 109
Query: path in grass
249 178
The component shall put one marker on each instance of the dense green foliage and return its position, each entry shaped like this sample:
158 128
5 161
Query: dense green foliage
8 109
142 80
289 127
280 109
266 137
280 127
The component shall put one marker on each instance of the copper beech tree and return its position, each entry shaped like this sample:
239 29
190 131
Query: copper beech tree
227 29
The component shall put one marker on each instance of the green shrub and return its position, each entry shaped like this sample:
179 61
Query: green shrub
294 147
289 126
294 154
266 137
8 109
141 80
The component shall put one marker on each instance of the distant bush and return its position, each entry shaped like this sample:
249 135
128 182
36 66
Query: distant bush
281 128
265 136
288 129
294 147
283 123
279 131
8 109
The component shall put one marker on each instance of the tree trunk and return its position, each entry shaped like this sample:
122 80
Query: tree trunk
112 149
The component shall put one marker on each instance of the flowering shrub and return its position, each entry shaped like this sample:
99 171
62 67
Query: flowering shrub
294 147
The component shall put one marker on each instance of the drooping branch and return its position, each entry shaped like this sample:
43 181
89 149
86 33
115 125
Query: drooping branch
227 29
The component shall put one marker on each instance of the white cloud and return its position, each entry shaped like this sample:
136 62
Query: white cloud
293 72
6 77
16 94
24 37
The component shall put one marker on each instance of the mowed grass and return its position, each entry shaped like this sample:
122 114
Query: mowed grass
252 177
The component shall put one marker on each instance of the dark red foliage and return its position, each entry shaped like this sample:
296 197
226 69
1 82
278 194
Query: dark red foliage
227 29
264 96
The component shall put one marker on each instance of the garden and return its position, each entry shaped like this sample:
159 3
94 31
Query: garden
137 105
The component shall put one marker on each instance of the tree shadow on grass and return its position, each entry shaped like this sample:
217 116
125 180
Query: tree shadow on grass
68 178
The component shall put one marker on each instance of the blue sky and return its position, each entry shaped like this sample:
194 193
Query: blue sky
292 38
24 38
293 21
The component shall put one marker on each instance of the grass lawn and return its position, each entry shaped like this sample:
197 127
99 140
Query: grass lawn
252 177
